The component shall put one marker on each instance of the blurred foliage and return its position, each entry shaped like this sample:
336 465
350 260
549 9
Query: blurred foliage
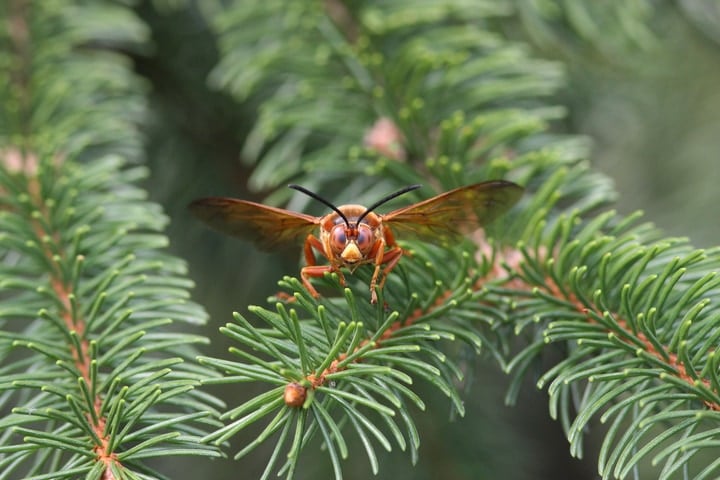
650 107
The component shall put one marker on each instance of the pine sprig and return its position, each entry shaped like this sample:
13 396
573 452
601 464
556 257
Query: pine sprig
95 380
340 360
633 313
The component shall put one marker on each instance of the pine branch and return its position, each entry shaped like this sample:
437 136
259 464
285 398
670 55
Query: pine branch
439 100
96 380
633 311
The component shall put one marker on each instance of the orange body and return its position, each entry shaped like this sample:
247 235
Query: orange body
353 235
351 245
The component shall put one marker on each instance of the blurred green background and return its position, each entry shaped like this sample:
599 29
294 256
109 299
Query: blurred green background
651 112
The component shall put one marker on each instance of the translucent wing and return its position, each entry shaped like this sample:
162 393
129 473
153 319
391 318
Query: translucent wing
454 213
268 227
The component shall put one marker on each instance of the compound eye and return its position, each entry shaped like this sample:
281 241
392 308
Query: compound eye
338 239
364 238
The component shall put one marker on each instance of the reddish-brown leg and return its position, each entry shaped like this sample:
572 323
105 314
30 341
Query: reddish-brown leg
312 242
312 269
389 259
317 271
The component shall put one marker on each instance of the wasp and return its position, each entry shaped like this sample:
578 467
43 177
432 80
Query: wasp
354 235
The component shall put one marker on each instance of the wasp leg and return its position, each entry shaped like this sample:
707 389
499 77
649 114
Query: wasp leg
317 271
312 242
389 259
312 269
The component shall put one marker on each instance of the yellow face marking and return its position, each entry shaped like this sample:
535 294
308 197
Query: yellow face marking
351 253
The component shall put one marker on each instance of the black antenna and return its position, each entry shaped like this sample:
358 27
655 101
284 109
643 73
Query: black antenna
321 200
387 198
